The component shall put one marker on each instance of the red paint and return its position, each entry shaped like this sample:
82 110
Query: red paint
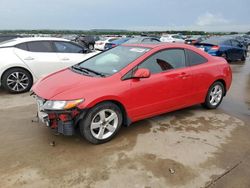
141 98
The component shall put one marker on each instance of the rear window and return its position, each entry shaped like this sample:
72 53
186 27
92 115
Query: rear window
195 58
40 46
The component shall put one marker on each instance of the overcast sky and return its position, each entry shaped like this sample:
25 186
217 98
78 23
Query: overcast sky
207 15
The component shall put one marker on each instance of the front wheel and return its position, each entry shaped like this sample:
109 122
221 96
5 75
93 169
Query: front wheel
244 55
101 123
17 80
214 96
91 47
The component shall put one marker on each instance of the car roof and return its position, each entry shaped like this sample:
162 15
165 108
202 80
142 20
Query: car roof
216 40
16 41
156 45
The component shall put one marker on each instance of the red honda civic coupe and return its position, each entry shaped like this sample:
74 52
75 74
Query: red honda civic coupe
129 83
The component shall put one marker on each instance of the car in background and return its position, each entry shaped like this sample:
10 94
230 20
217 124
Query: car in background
115 43
8 37
225 47
86 41
143 40
241 39
175 38
195 39
100 44
129 83
24 60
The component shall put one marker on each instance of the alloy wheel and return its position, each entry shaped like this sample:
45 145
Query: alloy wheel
215 95
104 124
17 81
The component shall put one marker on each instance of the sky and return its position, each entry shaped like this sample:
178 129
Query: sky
142 15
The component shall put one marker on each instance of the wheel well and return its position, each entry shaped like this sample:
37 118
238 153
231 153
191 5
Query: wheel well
224 84
126 120
18 68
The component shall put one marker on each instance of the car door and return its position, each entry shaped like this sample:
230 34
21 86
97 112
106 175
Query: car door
39 56
237 50
70 54
166 89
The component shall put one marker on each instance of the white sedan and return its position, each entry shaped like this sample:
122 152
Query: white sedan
24 60
100 44
172 38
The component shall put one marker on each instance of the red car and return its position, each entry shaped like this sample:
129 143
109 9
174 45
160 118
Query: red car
129 83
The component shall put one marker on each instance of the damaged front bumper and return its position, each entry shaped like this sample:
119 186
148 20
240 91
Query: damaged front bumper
64 121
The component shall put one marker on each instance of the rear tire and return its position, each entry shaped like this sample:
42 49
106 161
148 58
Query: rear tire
214 96
244 55
91 47
101 123
17 80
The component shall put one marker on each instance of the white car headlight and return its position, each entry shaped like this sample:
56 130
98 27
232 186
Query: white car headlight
61 105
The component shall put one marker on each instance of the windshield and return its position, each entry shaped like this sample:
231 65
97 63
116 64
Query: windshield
112 61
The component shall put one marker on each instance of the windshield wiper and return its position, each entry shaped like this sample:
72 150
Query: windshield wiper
80 69
89 70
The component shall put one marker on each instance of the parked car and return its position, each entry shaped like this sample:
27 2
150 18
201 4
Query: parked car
86 41
100 44
144 40
128 83
195 39
24 60
225 47
115 43
172 38
8 37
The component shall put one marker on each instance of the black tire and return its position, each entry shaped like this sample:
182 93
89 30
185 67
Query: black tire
85 123
18 85
208 104
244 55
91 47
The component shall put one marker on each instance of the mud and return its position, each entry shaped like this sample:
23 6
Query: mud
187 148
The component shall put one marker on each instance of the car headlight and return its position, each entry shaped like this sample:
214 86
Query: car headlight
61 105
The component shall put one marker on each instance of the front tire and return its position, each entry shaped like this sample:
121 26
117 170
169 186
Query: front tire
101 123
17 80
91 47
214 96
244 55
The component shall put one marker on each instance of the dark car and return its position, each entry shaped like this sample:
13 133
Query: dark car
195 39
8 37
86 41
145 40
241 39
226 47
115 43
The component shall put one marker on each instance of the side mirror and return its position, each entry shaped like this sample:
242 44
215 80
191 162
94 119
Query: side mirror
142 73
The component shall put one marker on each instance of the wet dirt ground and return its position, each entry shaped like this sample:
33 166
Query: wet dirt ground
188 148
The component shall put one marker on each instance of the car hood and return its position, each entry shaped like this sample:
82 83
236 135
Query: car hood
66 85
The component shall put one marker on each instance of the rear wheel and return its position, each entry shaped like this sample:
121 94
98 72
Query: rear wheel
244 55
91 47
214 96
101 123
17 80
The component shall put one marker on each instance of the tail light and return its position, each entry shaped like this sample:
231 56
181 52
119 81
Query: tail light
113 45
215 48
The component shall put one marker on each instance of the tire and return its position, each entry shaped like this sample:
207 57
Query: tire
214 96
17 80
95 126
243 58
91 47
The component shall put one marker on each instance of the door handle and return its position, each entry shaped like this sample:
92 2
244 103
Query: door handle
183 75
65 59
29 58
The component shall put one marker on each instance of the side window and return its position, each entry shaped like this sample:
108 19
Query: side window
227 42
22 46
165 60
66 47
146 40
235 43
195 58
40 46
